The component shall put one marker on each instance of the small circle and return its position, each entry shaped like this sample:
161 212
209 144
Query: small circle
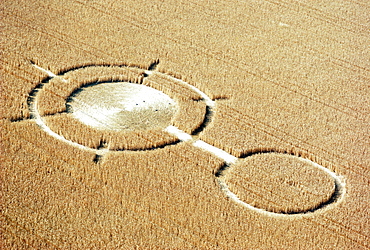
280 183
122 106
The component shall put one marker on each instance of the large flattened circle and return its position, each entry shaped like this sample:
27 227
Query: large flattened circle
122 105
280 183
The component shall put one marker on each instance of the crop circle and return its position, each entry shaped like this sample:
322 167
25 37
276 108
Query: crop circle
100 108
281 183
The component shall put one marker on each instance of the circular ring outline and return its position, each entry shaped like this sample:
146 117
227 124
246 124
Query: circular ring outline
336 197
33 106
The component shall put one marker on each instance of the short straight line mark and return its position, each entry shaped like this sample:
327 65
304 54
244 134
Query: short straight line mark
177 132
228 158
283 24
51 74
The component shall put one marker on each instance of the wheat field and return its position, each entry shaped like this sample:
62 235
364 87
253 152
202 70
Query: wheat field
185 124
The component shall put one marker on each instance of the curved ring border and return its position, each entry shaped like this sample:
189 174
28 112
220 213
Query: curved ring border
33 106
336 198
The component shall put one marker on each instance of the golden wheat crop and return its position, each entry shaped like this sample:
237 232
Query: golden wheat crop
16 85
50 103
190 115
293 76
170 87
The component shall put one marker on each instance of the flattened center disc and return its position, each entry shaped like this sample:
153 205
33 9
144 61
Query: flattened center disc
122 105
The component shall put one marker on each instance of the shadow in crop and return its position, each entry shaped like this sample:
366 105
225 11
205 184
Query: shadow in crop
207 120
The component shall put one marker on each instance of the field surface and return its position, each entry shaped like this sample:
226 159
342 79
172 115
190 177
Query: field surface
183 124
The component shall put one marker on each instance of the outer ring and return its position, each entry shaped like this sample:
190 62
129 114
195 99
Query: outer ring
35 114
